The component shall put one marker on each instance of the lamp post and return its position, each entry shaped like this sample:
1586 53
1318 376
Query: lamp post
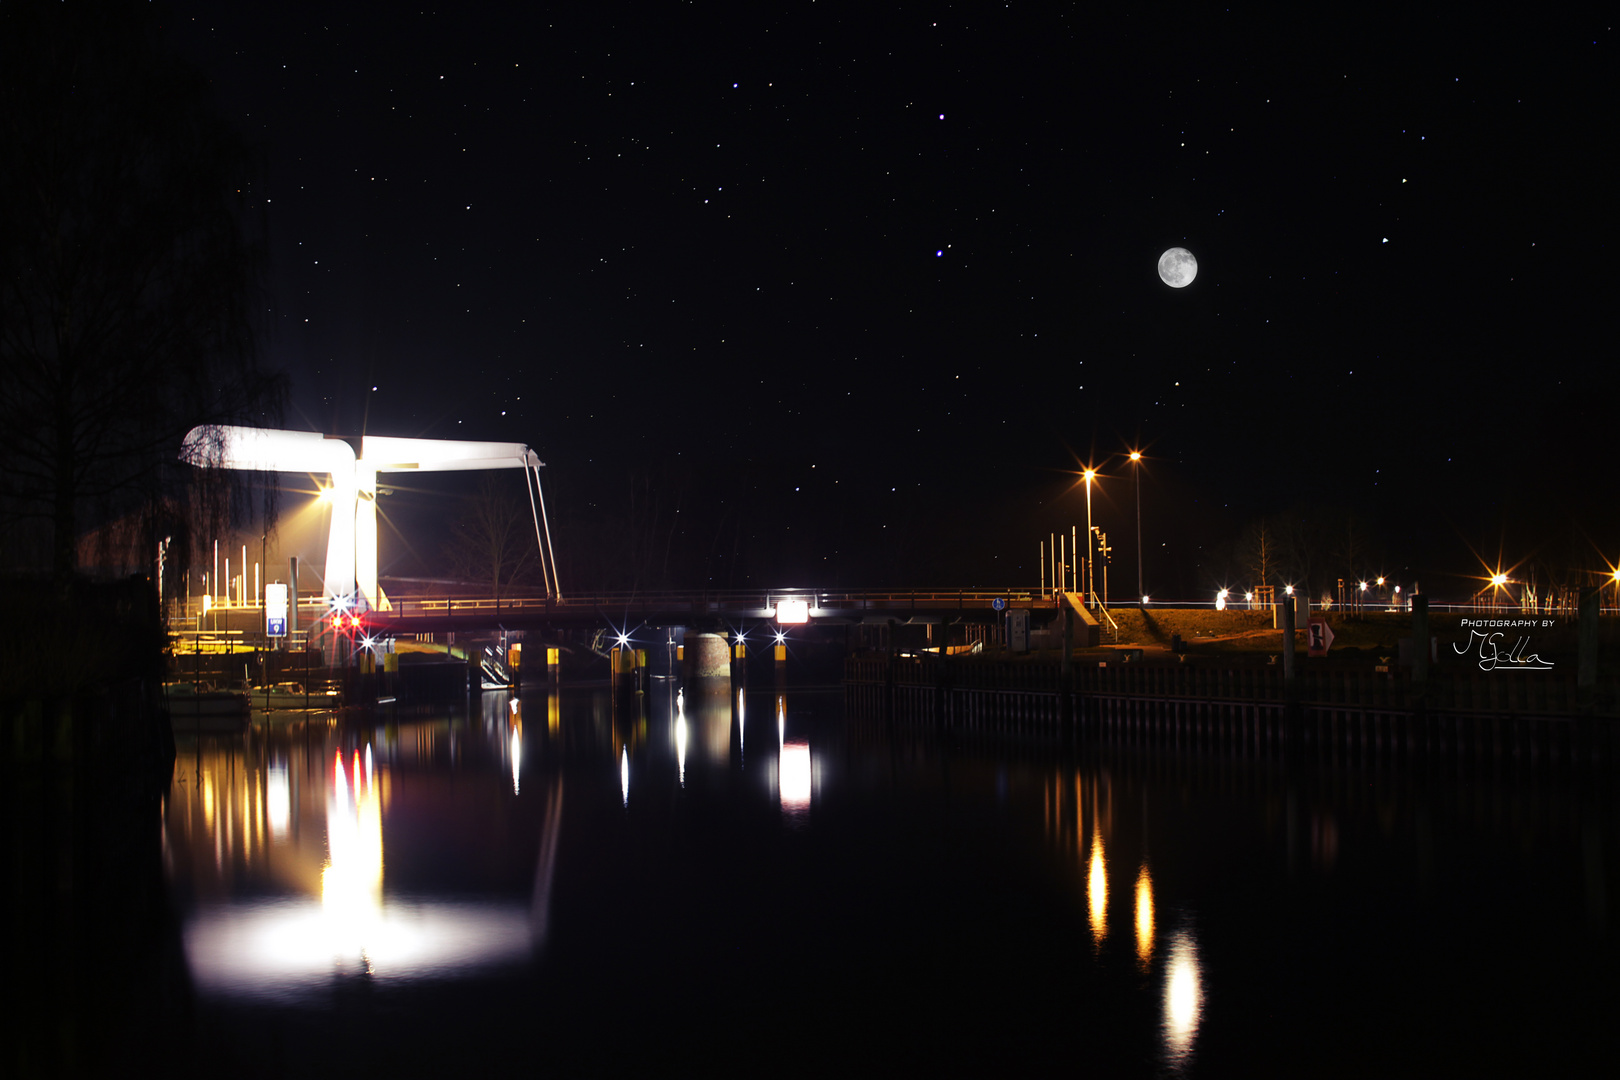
1136 469
1090 474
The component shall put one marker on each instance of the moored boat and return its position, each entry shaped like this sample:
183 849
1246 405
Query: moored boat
200 706
292 695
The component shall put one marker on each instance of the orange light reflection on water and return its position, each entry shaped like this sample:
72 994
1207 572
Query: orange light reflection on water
1144 916
1097 890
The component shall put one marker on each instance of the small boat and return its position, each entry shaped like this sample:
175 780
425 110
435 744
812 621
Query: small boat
292 695
200 706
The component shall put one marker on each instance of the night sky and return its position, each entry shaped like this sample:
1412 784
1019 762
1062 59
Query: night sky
859 288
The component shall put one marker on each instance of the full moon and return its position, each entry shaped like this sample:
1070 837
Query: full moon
1177 268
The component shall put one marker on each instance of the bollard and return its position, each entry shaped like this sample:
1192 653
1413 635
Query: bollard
1586 654
1288 645
1420 640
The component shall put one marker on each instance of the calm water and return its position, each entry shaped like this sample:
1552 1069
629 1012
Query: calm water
579 886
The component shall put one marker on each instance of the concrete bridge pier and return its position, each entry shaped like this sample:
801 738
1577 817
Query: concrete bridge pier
708 656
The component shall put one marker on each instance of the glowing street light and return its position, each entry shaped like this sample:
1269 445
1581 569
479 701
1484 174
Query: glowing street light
1136 470
1090 475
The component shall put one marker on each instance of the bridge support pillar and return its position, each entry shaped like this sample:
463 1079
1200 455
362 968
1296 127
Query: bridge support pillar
708 656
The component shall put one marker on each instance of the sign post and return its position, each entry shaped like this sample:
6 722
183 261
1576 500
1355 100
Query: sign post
275 610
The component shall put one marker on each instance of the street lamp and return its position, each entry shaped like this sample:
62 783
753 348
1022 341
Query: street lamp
1136 470
1090 475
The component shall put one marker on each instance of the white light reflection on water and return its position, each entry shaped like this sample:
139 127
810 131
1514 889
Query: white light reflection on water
280 949
351 880
680 746
795 778
278 800
517 744
793 769
1183 998
283 948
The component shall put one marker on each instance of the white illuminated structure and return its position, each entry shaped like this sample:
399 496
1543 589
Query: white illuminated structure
353 466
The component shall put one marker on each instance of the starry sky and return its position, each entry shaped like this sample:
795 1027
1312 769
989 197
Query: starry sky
857 289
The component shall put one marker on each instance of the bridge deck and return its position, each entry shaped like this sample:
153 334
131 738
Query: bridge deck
416 614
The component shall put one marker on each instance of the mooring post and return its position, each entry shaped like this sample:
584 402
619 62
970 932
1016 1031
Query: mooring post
1288 646
892 660
1420 641
1068 633
1066 670
1586 649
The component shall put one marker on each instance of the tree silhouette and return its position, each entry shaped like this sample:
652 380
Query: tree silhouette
128 273
494 539
1259 552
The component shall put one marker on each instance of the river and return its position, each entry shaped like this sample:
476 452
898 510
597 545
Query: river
588 884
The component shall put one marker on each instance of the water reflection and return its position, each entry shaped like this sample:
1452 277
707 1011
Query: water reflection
308 864
275 841
1183 999
1097 890
517 746
795 771
351 880
1144 917
680 746
793 768
278 799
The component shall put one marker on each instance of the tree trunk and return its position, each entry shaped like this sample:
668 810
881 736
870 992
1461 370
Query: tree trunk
64 542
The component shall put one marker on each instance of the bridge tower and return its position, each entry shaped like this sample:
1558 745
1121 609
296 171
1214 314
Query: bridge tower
352 467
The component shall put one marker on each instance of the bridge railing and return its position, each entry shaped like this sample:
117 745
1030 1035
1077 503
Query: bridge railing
761 603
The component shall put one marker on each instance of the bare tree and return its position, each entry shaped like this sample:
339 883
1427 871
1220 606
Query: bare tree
1259 552
127 272
494 539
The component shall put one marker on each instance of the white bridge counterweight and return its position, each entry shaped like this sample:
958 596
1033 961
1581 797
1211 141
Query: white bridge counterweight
351 547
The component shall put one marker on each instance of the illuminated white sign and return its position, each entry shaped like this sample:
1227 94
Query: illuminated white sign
275 609
792 611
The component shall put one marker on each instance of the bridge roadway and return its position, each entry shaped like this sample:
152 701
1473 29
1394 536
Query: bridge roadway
432 614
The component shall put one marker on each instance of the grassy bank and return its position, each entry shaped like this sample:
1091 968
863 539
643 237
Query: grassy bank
1237 634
